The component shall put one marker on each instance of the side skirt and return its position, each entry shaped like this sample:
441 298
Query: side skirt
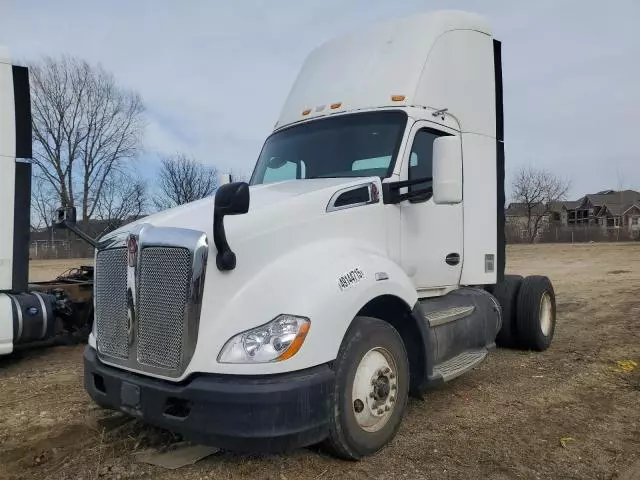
459 330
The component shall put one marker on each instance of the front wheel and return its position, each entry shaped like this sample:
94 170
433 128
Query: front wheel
371 389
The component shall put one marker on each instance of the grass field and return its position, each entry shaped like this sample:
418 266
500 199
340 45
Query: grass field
504 420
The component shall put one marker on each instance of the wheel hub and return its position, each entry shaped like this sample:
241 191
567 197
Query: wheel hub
381 388
546 314
374 389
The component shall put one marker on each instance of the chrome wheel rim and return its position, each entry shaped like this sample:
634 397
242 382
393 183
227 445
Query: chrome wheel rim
374 390
546 314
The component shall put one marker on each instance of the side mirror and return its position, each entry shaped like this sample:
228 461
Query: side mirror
64 216
447 170
231 199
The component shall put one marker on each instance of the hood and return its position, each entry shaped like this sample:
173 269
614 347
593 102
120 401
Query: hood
287 234
193 215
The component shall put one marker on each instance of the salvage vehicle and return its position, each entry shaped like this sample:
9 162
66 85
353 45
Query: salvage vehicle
363 262
37 313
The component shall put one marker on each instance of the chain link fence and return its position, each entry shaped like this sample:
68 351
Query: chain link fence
54 249
578 234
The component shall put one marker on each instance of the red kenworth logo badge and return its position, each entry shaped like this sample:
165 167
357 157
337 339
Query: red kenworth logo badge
132 250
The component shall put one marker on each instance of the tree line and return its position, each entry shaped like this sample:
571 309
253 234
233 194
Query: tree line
88 130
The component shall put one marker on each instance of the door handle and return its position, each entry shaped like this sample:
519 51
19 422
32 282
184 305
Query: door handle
453 259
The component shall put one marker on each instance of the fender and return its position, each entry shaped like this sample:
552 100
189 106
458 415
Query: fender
326 281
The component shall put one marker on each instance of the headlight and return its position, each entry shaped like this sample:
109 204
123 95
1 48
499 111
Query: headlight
275 341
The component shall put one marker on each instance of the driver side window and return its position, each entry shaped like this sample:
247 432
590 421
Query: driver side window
421 162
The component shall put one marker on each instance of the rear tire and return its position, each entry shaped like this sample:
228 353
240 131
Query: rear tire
371 389
536 313
506 293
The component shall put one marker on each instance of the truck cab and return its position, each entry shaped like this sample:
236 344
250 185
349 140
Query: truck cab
363 262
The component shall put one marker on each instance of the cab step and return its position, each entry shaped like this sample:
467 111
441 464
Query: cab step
460 364
446 315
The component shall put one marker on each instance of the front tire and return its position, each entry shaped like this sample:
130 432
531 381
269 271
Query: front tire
371 389
536 313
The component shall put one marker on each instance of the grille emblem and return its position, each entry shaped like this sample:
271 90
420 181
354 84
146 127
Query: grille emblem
132 284
132 250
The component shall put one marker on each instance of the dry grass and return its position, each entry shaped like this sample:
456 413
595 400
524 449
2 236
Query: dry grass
505 420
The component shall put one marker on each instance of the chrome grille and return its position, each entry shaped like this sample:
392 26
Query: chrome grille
111 302
165 274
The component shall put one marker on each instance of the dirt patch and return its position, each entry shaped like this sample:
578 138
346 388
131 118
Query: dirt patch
505 420
43 270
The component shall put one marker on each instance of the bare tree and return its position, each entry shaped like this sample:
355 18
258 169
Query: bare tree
123 199
535 189
183 179
44 201
85 127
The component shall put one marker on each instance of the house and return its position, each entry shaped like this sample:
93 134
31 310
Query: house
522 223
561 211
610 209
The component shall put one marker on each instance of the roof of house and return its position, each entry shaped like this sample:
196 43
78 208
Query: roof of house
622 197
520 209
617 209
613 209
635 205
569 205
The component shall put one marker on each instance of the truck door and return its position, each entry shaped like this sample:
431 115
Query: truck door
431 235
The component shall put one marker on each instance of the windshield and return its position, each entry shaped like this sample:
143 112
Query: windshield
355 145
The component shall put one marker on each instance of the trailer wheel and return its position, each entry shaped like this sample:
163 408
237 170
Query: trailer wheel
536 313
371 389
506 292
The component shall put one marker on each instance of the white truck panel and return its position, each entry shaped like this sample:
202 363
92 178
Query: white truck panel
6 325
303 290
480 221
7 165
459 76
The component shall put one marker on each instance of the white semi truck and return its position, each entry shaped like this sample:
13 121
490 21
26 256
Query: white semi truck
363 262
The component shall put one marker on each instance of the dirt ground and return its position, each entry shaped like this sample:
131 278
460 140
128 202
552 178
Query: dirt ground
504 420
42 270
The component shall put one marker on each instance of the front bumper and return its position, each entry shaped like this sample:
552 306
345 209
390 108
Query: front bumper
267 413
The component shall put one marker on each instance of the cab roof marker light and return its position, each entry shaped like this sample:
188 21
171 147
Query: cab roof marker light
306 112
397 98
335 106
320 108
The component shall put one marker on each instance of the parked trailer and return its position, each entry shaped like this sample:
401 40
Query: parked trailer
35 313
364 261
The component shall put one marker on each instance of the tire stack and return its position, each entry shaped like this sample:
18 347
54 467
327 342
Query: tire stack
528 312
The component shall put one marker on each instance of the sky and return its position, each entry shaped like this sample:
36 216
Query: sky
214 74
